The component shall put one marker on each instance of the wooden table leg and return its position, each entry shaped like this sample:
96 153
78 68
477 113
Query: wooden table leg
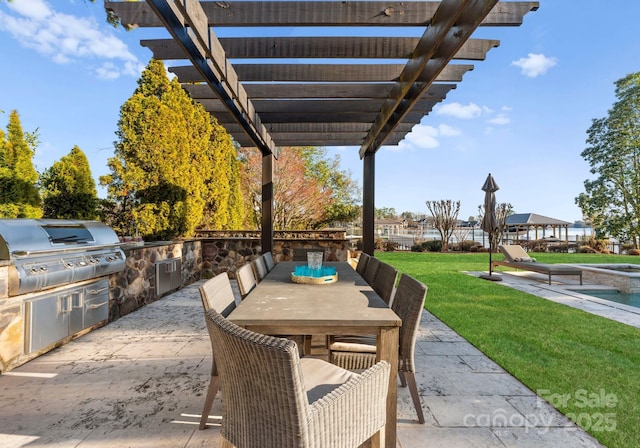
387 349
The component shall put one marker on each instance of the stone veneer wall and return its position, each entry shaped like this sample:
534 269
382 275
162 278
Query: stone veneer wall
135 286
214 252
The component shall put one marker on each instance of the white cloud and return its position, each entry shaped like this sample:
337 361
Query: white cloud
427 137
34 9
66 38
107 71
500 119
421 136
535 64
448 131
458 110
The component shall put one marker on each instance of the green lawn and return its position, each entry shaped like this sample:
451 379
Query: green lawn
587 366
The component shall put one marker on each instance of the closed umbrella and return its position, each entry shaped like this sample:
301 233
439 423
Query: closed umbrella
489 220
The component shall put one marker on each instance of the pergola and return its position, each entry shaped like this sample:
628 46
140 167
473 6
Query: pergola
366 90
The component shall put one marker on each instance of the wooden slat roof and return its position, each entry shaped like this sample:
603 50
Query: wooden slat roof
365 90
533 219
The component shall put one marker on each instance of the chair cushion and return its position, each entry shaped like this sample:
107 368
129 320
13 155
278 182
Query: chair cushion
513 251
321 377
361 344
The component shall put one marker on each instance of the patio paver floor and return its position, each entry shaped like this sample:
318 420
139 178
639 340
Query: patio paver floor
140 382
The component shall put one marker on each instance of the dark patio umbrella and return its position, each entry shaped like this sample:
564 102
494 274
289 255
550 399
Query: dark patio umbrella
489 220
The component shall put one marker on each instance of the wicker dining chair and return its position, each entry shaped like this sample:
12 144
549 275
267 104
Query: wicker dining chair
246 279
385 281
259 268
216 294
363 260
359 352
268 261
371 271
275 399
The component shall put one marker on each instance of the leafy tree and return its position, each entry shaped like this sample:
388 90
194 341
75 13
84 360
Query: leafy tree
68 189
611 201
300 199
345 193
445 219
385 213
409 216
19 197
157 179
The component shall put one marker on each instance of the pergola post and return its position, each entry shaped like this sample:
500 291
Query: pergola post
266 239
368 203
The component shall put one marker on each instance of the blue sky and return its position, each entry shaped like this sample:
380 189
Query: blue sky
522 114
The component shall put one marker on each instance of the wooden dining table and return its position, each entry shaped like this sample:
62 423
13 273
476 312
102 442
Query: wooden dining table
348 306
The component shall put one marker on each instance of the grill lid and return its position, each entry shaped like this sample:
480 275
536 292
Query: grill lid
30 237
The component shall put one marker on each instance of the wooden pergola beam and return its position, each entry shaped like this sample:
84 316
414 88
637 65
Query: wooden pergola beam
318 13
310 90
325 128
319 47
321 73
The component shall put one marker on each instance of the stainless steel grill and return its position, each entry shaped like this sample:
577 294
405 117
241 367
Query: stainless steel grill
46 253
60 268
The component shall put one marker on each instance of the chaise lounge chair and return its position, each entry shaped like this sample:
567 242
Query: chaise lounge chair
516 257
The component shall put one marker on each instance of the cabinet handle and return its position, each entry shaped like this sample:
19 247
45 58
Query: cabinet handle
64 302
97 305
77 300
93 292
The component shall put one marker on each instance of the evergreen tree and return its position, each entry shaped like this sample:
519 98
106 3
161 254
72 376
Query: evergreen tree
19 196
218 181
224 208
157 179
68 189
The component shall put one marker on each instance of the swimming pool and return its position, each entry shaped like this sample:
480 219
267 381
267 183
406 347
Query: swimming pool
624 298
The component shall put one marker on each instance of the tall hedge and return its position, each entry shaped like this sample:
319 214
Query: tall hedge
161 159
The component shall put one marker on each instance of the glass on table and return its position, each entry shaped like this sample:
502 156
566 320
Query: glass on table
314 260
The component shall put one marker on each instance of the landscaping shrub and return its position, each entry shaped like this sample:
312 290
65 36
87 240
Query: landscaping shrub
432 246
390 246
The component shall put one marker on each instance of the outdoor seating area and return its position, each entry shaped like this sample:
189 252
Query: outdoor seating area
516 257
148 384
